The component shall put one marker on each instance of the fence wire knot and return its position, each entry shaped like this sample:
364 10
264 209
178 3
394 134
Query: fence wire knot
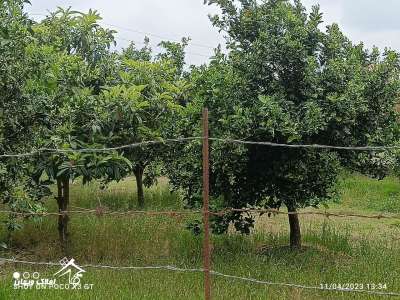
100 211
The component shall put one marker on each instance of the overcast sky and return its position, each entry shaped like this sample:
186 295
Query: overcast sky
372 21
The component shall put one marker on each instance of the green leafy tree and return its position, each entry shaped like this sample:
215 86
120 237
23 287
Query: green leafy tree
77 64
137 107
21 113
286 81
133 53
80 34
175 53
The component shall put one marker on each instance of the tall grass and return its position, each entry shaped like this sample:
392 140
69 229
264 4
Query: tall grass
332 252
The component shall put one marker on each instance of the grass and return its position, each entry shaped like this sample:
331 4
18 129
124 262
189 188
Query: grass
335 250
363 193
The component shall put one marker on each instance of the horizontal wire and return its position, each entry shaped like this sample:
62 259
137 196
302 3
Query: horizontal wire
232 141
300 286
310 146
172 268
101 211
319 213
215 273
93 150
166 267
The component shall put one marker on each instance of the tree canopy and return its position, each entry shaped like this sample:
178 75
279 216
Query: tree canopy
284 80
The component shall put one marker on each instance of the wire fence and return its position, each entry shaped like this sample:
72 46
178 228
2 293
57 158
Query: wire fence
96 150
162 141
101 211
206 212
214 273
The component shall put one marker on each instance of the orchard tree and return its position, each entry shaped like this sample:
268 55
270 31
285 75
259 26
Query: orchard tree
21 113
74 133
138 107
76 64
286 81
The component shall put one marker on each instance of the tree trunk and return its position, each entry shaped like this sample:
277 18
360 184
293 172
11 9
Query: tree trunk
295 233
227 194
139 184
63 201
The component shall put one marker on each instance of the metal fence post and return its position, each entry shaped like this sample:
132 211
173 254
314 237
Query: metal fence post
206 213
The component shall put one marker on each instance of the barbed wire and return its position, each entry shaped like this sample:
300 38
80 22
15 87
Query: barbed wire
94 150
309 146
184 139
320 213
215 273
101 211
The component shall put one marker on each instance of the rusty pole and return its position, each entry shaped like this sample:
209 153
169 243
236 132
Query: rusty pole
206 212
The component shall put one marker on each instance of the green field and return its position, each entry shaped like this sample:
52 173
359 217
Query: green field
336 250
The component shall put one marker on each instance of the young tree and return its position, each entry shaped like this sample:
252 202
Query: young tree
137 107
77 65
286 81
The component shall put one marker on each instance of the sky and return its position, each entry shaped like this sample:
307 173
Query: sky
371 21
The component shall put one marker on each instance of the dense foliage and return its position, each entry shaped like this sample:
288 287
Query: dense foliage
63 88
21 113
283 80
286 81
